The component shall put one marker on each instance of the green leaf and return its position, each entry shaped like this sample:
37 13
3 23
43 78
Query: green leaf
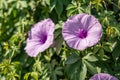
91 57
53 77
91 67
58 72
72 58
65 2
73 71
119 3
71 12
101 52
59 7
58 44
116 51
76 71
57 33
52 4
97 4
83 72
107 47
96 49
23 4
34 75
47 2
71 9
26 76
71 6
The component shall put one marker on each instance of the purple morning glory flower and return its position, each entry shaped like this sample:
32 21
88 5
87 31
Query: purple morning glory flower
82 31
103 76
40 37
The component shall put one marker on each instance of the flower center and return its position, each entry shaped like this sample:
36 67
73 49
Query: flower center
82 33
43 39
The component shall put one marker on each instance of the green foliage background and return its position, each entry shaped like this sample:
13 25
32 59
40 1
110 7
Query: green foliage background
59 62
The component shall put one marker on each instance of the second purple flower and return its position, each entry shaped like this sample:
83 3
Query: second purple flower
40 37
103 76
82 31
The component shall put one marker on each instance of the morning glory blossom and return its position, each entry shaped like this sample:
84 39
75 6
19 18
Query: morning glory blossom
103 76
40 37
81 31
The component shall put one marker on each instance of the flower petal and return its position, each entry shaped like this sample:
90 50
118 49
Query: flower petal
94 34
71 25
79 44
88 21
31 47
83 44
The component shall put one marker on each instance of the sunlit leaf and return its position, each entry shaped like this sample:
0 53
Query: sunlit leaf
34 75
91 57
